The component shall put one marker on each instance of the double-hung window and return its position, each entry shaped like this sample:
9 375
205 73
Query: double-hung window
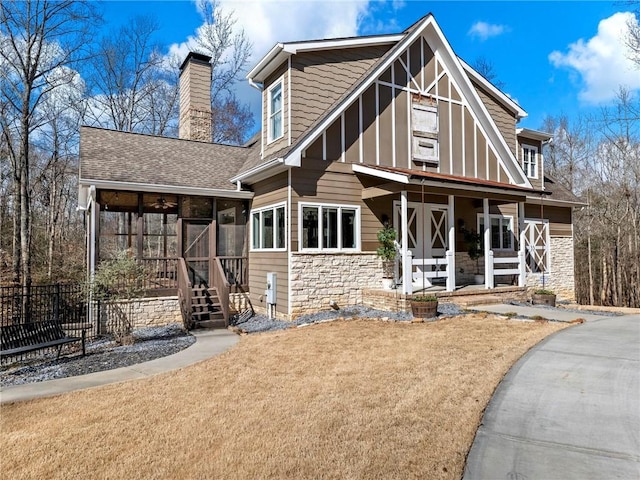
329 227
530 160
274 106
268 228
501 231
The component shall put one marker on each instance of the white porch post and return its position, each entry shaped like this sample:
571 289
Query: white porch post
451 251
521 250
488 259
407 267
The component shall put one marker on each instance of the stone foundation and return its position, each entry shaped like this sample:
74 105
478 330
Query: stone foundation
141 312
560 279
318 279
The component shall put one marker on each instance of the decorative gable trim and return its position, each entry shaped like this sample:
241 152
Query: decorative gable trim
429 29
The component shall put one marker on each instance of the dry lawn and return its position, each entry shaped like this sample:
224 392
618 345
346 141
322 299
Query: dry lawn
356 399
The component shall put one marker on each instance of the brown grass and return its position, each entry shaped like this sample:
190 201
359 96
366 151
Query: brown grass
357 399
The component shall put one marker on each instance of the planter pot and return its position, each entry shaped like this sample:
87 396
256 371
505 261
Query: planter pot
424 309
478 279
387 283
543 299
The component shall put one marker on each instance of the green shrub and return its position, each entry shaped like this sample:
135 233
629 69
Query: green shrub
424 298
543 292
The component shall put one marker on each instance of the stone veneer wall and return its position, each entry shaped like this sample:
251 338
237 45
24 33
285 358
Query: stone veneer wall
318 278
560 279
146 312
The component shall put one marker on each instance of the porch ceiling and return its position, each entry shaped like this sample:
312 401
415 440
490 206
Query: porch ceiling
398 179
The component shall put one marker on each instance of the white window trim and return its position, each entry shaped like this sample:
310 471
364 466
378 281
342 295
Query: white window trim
275 84
259 211
320 248
537 159
480 218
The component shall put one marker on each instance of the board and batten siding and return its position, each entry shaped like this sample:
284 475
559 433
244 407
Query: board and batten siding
269 192
376 128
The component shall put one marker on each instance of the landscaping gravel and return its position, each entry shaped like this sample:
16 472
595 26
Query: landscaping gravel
262 323
102 354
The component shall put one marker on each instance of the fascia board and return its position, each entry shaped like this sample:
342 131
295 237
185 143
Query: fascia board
178 190
260 172
335 44
436 38
534 134
328 120
260 71
374 172
551 201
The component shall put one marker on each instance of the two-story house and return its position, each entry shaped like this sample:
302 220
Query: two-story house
356 133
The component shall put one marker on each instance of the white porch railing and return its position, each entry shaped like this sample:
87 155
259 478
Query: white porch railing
422 270
498 266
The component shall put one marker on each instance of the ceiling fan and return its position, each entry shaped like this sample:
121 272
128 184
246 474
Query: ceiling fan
163 203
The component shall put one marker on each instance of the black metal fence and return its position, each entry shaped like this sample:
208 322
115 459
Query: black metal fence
62 303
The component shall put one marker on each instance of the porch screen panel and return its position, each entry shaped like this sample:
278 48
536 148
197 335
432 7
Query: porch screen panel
231 223
159 236
118 231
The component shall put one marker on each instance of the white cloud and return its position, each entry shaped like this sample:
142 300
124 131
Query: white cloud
484 30
267 22
602 61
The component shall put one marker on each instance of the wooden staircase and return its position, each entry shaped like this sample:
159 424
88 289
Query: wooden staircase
206 308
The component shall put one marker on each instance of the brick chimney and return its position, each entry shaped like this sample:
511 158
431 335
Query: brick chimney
195 98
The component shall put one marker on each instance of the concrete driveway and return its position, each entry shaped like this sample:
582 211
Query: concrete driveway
569 409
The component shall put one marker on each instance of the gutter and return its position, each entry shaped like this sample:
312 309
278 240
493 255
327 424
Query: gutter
174 189
262 168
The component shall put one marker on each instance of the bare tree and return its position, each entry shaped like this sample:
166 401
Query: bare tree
39 41
230 51
122 74
486 68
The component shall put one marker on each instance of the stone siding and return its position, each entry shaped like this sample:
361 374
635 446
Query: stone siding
144 312
317 279
560 279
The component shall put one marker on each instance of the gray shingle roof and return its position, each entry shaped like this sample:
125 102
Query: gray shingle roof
558 191
115 156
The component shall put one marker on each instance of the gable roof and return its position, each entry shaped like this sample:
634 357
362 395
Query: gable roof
111 157
428 27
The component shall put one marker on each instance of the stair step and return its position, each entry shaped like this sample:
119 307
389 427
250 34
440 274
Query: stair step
218 323
206 312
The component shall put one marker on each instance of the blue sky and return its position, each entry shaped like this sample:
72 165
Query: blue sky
553 57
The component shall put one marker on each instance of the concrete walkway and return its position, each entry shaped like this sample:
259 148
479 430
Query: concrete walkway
208 344
557 314
568 409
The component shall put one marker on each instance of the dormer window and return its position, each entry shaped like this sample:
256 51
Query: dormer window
274 104
530 160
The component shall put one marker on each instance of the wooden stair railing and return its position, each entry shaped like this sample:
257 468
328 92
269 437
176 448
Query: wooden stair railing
221 284
185 291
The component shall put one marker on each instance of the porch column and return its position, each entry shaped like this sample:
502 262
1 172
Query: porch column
451 251
488 259
407 267
521 246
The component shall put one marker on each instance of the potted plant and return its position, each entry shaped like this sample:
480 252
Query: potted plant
543 297
475 251
424 306
387 252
